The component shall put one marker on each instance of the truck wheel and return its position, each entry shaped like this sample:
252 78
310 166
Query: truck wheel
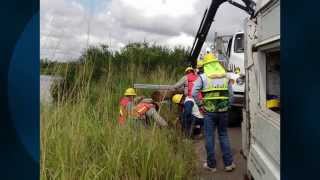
235 116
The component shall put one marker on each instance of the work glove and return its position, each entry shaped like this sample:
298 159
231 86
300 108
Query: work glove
202 109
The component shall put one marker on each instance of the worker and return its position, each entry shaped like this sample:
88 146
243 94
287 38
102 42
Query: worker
214 85
126 104
190 118
146 111
208 50
186 82
199 67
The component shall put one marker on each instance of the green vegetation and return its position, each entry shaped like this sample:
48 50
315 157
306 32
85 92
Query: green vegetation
80 138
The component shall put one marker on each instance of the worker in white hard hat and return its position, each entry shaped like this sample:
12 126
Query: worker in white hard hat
186 82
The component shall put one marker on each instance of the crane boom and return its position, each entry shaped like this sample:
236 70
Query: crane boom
206 22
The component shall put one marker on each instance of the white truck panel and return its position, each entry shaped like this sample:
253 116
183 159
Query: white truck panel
261 166
269 23
261 126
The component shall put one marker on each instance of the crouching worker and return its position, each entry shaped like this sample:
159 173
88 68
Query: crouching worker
126 104
146 112
191 114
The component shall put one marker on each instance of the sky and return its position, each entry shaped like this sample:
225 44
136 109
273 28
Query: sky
67 27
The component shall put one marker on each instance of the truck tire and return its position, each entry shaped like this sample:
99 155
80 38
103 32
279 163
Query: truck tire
235 116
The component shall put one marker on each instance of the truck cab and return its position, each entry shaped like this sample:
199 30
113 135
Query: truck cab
235 63
236 72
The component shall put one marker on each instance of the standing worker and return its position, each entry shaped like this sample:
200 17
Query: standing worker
193 117
186 81
200 67
214 86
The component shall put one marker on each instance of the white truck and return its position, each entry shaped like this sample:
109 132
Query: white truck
261 123
236 71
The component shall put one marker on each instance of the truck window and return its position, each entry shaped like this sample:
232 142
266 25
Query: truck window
229 47
239 44
273 80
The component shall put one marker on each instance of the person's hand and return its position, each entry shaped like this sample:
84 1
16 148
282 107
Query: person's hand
202 109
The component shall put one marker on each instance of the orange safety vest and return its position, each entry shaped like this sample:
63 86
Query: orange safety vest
124 101
141 108
191 78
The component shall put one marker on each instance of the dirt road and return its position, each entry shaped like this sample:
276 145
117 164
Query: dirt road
220 174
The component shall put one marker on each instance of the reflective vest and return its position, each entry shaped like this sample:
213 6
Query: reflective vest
140 109
191 78
123 113
215 92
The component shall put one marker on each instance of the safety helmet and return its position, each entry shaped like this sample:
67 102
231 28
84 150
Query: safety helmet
209 58
177 98
199 63
273 103
130 92
188 69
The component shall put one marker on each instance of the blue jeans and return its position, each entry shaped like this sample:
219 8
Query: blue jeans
219 120
187 118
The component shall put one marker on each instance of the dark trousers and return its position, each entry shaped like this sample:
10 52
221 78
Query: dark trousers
189 120
219 121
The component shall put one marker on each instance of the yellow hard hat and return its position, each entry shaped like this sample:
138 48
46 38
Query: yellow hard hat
177 98
188 69
273 103
209 58
237 70
200 64
130 92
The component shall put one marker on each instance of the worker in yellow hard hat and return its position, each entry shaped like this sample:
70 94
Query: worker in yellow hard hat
214 83
191 116
199 67
126 104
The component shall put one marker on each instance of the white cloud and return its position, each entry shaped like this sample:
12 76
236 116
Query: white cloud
67 26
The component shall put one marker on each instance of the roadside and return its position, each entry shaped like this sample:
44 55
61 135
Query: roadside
237 174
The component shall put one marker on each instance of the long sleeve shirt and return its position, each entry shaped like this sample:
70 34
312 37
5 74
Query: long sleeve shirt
197 87
182 83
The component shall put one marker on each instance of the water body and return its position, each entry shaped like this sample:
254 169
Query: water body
45 86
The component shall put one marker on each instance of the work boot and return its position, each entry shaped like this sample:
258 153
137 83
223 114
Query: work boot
230 167
205 166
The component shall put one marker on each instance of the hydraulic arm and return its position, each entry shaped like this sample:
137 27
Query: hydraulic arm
206 22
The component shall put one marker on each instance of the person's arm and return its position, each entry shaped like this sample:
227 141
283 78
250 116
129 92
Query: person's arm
130 106
216 76
153 114
180 83
138 99
197 87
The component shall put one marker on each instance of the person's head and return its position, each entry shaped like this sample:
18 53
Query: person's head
189 70
178 98
200 66
130 93
208 50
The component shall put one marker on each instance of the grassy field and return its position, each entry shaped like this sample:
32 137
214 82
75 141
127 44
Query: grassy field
80 138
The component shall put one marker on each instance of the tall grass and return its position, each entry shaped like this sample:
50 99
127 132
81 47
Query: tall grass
80 138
